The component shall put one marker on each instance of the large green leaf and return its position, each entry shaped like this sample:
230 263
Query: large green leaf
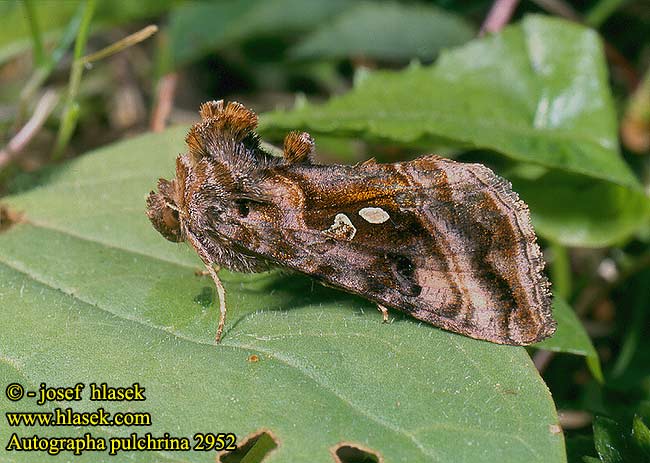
90 292
536 92
386 31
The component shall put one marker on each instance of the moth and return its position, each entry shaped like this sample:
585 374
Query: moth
446 242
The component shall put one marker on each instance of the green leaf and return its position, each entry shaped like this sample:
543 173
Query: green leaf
91 292
571 337
641 437
389 31
614 443
578 211
537 92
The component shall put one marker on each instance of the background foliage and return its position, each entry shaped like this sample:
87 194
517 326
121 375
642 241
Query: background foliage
558 102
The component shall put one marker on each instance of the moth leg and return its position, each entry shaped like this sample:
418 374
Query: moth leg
210 268
384 312
221 292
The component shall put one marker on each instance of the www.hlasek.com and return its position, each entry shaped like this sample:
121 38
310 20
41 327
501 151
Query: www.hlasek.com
68 417
100 417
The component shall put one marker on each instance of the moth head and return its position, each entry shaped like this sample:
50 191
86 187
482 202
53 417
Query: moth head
163 211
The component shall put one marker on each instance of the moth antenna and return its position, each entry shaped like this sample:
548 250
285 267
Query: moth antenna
298 147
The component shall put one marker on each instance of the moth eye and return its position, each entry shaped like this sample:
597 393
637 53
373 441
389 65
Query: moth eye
170 217
243 207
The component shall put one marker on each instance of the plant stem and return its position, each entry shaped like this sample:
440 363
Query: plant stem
635 127
120 45
165 92
44 108
71 109
34 28
499 15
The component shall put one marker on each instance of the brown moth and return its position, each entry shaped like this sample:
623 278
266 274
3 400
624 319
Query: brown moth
448 243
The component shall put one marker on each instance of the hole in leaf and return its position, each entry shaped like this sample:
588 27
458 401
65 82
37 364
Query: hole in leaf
8 218
256 447
352 453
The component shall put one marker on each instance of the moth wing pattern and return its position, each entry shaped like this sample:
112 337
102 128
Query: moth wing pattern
445 242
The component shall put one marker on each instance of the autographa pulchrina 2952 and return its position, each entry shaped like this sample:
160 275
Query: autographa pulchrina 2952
446 242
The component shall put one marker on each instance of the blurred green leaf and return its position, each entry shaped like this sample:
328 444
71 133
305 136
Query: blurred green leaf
610 440
536 92
577 447
197 28
571 337
615 444
112 301
576 210
632 346
388 31
641 437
